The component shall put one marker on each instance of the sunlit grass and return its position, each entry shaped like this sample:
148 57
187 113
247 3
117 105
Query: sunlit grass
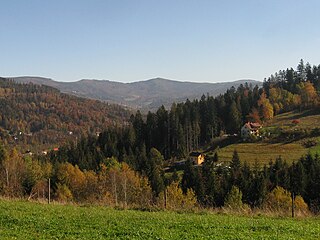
262 153
308 119
24 220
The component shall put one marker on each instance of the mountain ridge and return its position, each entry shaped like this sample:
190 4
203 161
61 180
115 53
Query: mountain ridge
146 94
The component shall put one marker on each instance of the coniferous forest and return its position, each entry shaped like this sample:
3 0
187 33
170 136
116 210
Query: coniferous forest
126 164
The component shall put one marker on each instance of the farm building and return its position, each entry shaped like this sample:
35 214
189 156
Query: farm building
250 129
196 157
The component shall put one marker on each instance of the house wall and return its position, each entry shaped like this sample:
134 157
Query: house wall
200 159
197 160
245 132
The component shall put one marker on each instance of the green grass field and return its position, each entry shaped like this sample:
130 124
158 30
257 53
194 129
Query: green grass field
25 220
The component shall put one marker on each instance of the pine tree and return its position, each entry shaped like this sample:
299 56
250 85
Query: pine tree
297 178
235 163
209 180
156 173
234 198
234 119
189 177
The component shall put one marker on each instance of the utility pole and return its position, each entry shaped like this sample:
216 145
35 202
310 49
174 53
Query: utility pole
292 204
49 196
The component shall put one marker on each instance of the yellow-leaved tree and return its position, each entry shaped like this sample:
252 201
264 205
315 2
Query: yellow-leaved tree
279 200
119 185
266 109
176 199
308 93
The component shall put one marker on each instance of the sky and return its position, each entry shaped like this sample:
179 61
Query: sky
132 40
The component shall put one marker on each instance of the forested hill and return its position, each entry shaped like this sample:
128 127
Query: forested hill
165 136
194 124
41 116
145 95
99 168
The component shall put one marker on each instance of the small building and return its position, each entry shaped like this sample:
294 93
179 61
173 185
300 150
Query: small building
28 153
197 158
250 129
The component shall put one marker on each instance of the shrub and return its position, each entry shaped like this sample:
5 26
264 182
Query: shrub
234 198
63 193
295 121
310 143
279 200
176 200
300 205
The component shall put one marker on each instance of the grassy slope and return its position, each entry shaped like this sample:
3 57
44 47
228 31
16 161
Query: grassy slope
265 151
24 220
308 119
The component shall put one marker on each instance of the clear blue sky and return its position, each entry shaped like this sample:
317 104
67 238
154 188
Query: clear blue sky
198 40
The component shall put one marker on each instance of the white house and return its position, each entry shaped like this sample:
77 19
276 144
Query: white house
250 129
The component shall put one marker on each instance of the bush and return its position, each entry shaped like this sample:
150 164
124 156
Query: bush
315 132
279 200
63 193
176 200
310 143
234 198
300 205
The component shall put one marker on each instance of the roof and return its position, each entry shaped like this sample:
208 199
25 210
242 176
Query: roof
195 154
253 125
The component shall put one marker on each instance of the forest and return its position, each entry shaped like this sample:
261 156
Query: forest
39 117
124 165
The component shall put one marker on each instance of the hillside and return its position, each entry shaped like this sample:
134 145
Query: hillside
37 116
26 220
287 140
146 95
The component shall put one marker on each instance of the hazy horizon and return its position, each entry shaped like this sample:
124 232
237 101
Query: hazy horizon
134 81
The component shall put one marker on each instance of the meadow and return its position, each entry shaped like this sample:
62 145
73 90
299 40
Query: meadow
263 152
307 119
26 220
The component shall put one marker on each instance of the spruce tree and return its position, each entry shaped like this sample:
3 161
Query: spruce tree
234 119
235 161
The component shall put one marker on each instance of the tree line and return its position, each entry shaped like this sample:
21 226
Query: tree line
212 183
113 183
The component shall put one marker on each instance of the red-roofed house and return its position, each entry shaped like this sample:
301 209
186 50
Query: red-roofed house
250 129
